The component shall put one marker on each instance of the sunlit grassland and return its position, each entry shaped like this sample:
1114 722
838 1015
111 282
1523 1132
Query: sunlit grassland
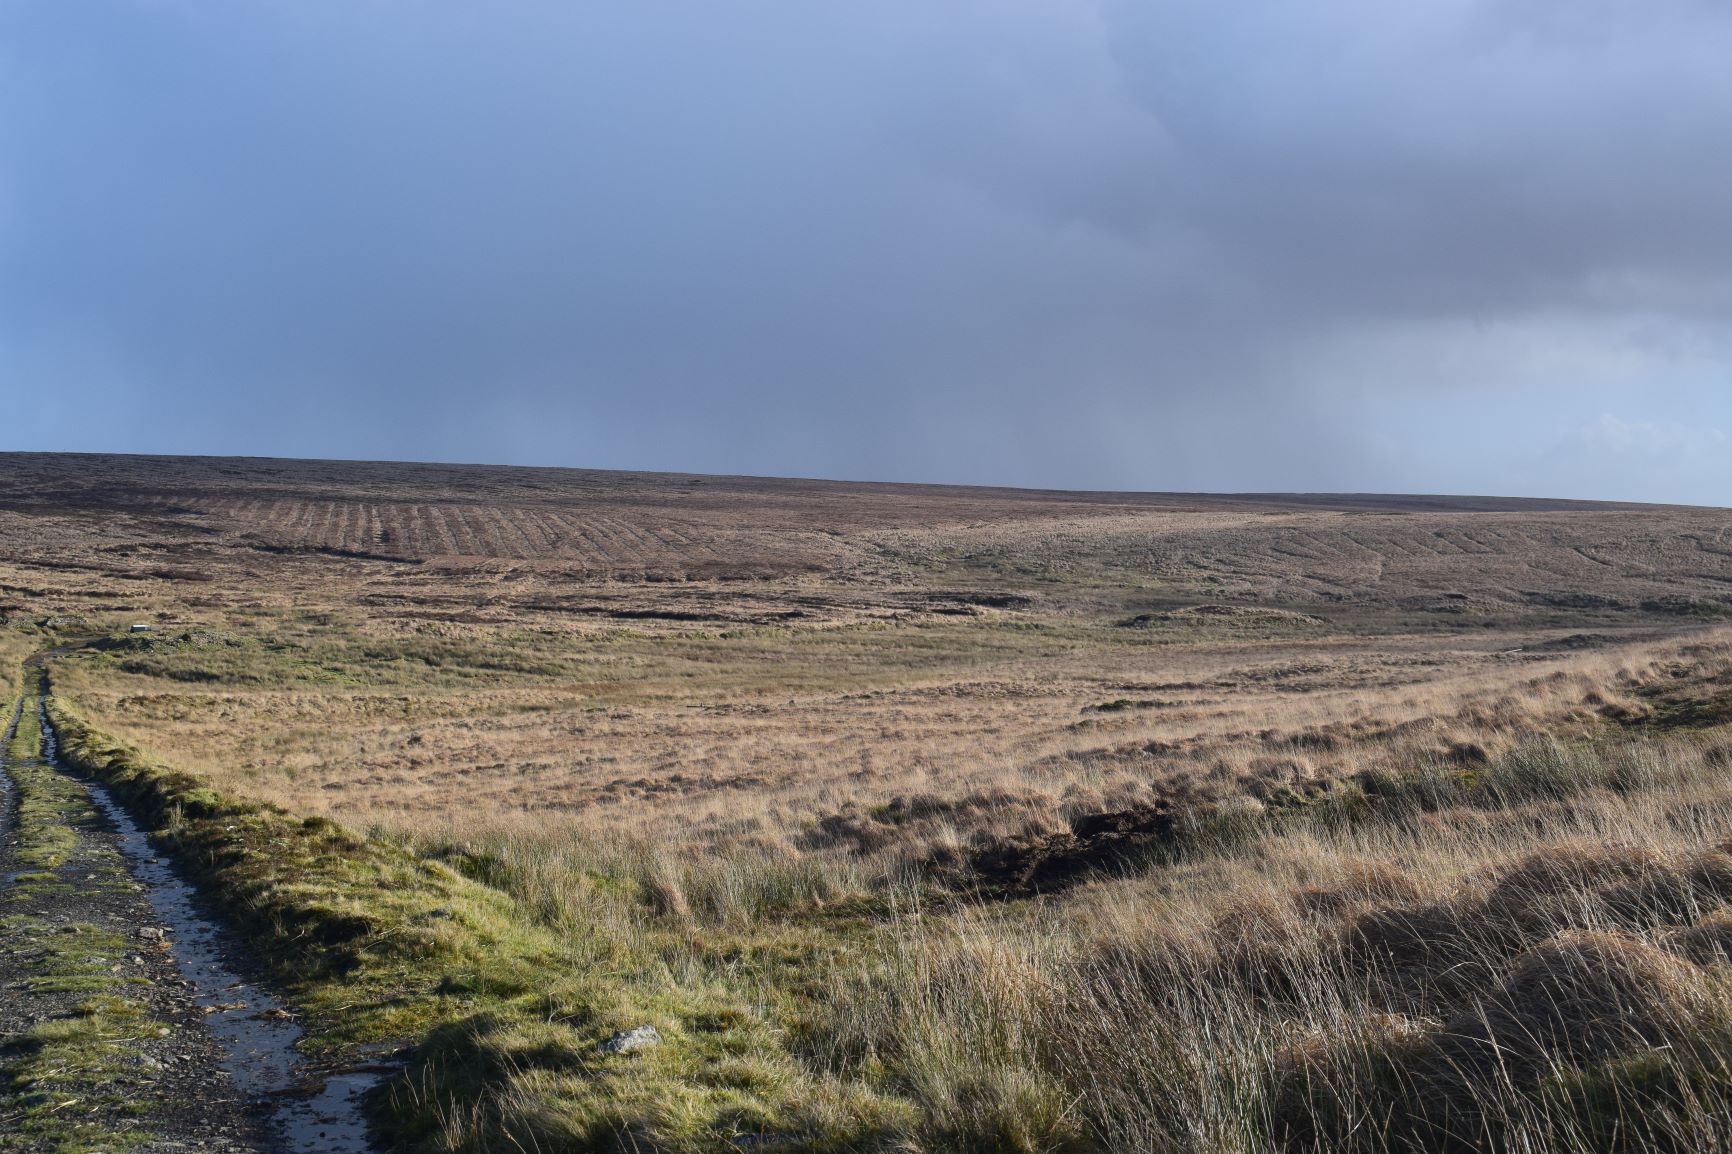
1252 980
766 841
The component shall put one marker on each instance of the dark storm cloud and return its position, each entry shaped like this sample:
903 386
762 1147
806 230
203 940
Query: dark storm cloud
1275 244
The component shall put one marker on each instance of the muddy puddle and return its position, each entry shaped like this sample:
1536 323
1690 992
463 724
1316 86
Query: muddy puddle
308 1109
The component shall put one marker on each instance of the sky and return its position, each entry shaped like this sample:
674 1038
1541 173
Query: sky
1324 245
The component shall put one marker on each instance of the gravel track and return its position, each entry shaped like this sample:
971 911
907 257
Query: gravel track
142 1070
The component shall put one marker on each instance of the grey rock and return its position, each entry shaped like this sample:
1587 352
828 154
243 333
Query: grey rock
630 1041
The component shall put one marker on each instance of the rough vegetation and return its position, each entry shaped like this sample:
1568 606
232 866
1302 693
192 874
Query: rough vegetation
922 819
380 945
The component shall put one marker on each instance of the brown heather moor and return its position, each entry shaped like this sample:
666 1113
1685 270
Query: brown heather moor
970 819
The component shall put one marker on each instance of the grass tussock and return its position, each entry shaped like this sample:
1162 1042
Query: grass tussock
1537 964
1482 958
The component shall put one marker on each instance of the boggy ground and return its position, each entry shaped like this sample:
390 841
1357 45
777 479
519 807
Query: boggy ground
101 1044
938 819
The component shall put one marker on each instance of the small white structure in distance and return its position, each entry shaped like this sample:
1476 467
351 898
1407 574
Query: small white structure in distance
138 628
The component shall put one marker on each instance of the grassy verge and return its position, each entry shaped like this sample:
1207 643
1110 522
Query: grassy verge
376 944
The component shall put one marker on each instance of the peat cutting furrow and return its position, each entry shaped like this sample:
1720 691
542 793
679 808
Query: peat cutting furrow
122 1025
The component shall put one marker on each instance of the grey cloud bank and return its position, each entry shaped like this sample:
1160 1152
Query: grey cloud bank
1332 245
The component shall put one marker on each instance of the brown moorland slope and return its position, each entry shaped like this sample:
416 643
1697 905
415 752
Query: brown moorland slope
371 639
183 513
929 819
